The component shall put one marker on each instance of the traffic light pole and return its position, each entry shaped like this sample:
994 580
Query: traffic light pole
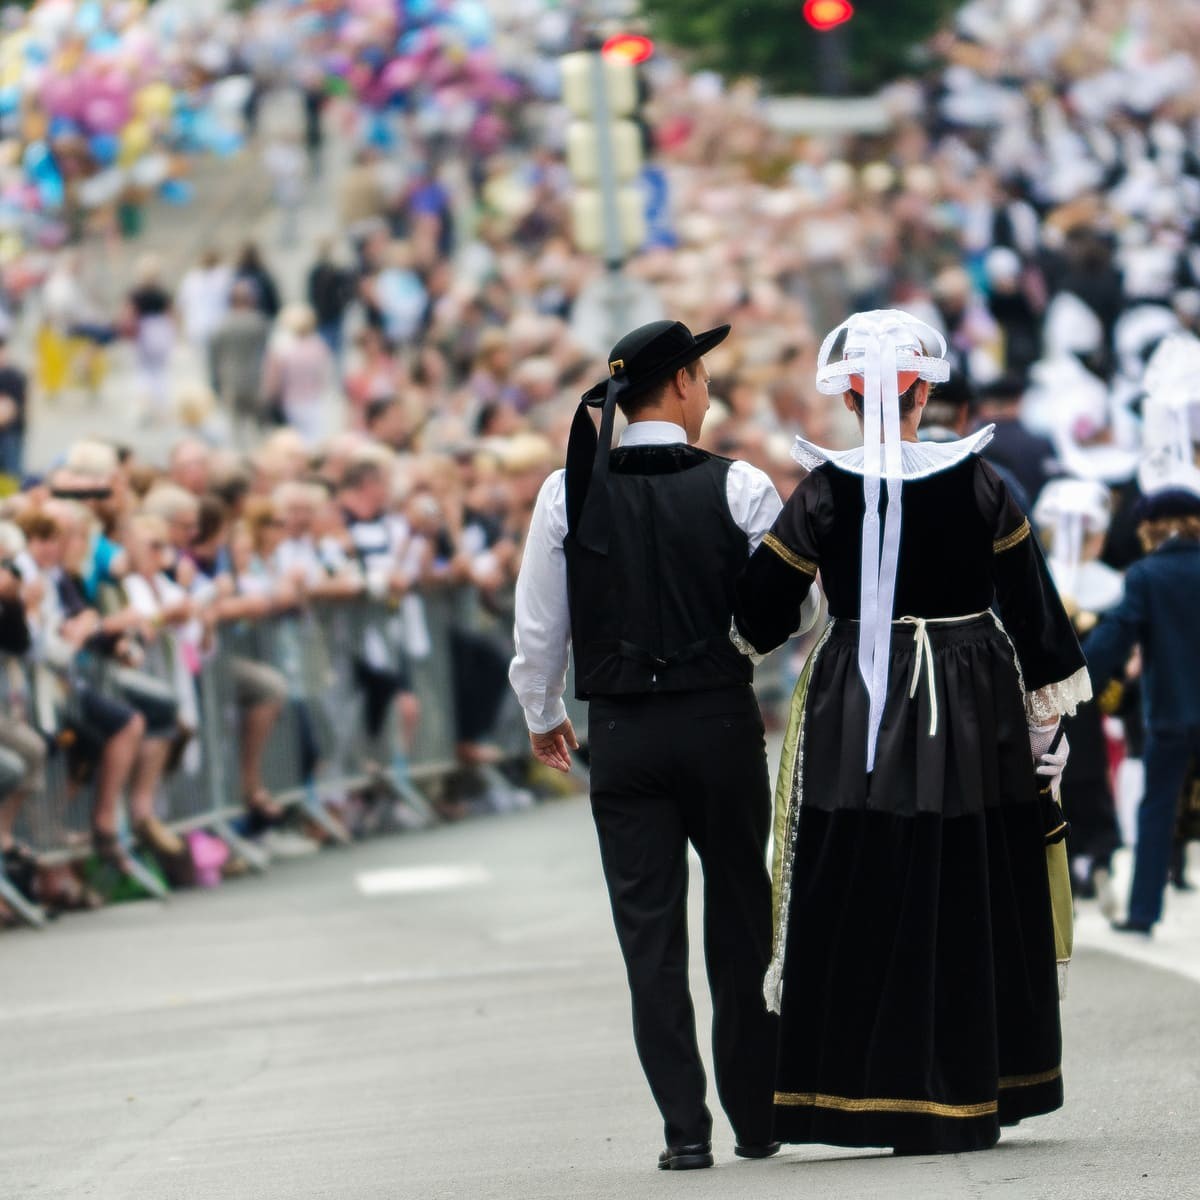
833 59
608 183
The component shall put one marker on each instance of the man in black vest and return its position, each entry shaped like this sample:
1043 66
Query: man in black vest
632 557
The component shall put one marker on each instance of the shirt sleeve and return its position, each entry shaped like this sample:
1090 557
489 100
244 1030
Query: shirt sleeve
753 501
542 630
775 595
1051 663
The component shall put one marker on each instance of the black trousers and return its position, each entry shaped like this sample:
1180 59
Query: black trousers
668 770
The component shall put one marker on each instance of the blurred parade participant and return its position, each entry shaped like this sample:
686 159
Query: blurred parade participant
631 559
285 162
203 300
1072 516
298 373
238 351
1156 614
910 835
330 290
1026 456
72 333
14 391
24 748
251 269
375 377
400 295
152 327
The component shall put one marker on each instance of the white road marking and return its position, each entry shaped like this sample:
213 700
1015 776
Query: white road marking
407 881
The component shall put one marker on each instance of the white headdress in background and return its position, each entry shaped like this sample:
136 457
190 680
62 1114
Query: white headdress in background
1169 414
1069 510
878 346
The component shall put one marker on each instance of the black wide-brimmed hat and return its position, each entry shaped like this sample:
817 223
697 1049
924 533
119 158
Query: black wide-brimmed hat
640 361
651 354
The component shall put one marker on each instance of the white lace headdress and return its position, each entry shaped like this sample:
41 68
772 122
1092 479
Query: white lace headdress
1069 510
878 346
1169 410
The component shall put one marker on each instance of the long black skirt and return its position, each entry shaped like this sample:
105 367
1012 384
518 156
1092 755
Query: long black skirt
919 1004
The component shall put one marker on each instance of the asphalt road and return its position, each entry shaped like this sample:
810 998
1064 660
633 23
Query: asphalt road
445 1015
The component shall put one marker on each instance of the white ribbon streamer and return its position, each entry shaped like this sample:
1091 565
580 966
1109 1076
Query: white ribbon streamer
879 345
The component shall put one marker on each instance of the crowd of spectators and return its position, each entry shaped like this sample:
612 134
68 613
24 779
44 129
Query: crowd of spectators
105 555
1036 196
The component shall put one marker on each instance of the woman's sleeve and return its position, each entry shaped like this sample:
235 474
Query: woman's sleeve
1053 670
780 573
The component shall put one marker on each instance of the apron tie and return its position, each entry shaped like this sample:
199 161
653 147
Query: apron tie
924 657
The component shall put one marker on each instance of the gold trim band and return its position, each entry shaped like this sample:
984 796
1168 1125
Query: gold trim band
930 1108
789 556
1015 538
1020 1081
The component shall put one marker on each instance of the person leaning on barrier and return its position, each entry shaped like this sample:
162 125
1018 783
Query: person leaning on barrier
260 691
21 746
112 639
382 547
92 475
105 733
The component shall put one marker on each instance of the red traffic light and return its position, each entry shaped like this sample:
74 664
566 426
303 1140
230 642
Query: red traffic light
823 15
630 48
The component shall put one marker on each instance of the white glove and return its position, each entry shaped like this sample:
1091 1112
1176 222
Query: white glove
1040 738
1052 764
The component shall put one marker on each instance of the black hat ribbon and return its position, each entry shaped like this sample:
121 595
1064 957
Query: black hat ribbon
588 515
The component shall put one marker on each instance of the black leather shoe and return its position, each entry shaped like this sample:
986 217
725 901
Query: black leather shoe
686 1158
1128 926
761 1151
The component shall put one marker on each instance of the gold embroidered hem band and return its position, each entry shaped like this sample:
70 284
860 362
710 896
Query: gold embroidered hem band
1015 538
790 556
930 1108
1020 1081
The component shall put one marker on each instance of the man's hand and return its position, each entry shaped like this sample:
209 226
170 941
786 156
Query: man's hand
554 748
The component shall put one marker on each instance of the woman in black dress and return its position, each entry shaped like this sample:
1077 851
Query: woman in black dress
914 967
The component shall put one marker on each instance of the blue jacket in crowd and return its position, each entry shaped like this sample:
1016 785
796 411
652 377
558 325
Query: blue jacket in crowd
1160 612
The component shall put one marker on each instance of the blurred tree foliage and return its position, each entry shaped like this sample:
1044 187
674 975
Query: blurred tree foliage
771 40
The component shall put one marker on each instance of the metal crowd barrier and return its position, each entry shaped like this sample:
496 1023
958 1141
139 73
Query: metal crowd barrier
319 749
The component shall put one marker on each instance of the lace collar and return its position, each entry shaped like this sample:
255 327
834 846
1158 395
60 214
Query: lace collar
918 459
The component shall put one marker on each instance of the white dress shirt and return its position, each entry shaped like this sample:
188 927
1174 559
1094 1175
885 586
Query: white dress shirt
543 625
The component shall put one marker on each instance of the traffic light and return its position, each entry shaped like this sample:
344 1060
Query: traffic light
632 48
824 15
604 152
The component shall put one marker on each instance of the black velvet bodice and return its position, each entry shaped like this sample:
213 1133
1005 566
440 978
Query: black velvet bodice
965 547
946 538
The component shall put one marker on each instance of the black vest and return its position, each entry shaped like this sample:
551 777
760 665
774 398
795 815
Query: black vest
653 615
